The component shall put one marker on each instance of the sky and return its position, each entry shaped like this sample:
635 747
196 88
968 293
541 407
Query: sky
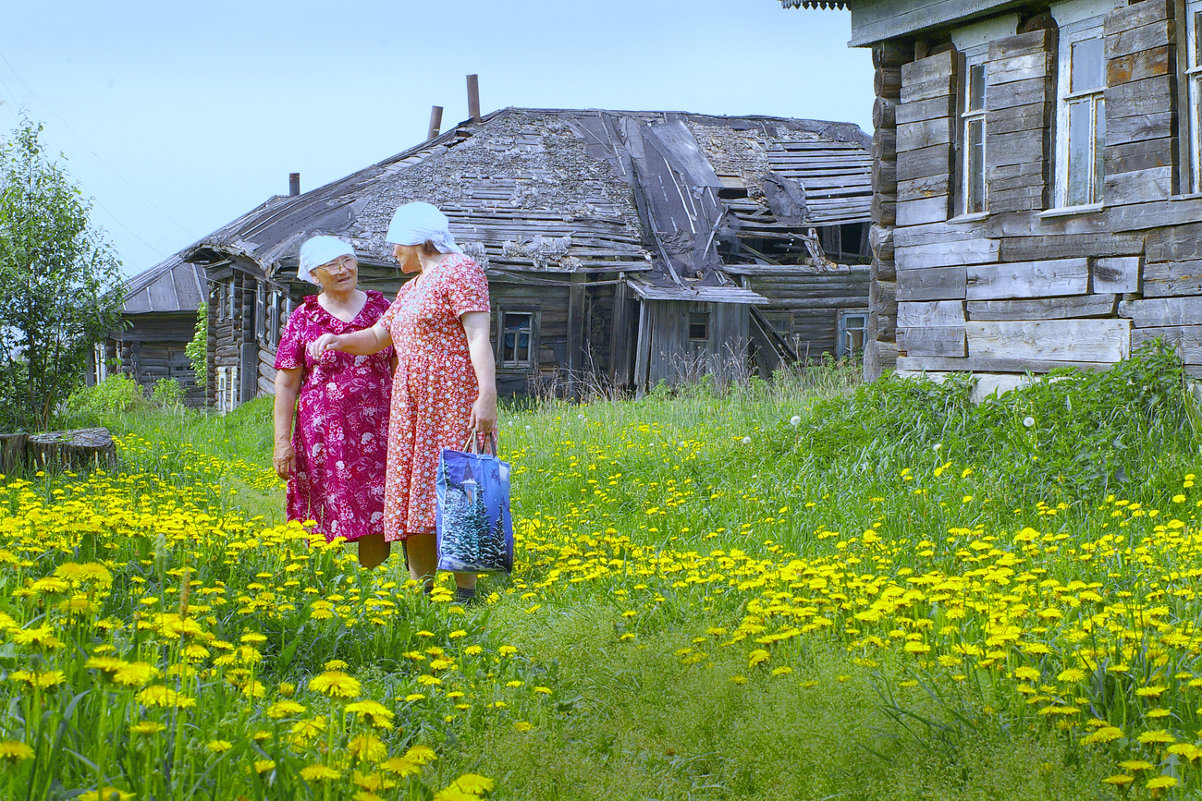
175 118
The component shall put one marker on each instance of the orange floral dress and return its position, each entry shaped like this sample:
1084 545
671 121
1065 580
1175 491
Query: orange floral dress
433 388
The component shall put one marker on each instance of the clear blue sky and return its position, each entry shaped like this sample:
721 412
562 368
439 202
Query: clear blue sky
178 117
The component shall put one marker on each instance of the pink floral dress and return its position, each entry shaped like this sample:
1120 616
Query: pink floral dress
433 389
341 432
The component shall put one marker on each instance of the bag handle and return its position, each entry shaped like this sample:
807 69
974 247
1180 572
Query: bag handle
473 443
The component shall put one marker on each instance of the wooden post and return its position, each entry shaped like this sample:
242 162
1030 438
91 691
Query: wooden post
473 97
435 121
293 184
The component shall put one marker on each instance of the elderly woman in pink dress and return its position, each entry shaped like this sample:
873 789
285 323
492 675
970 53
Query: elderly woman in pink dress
333 457
445 386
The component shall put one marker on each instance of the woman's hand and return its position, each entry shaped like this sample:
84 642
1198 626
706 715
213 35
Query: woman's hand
284 460
319 346
483 419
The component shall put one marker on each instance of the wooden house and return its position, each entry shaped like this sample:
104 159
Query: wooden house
160 320
622 248
1037 182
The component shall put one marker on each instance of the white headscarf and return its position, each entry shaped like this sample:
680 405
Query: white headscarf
319 250
415 223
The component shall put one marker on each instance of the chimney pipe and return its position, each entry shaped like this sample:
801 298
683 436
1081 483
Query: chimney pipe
435 121
293 184
473 97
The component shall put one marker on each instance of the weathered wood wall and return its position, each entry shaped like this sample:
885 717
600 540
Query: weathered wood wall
1024 286
805 302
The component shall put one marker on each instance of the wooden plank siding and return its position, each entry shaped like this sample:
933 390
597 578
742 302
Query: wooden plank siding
1025 286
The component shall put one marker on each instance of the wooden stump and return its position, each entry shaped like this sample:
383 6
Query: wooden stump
12 451
80 448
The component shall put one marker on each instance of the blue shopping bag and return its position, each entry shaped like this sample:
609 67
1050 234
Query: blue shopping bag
473 521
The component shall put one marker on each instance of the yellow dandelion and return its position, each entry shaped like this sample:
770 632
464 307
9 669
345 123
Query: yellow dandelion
15 750
1105 734
284 709
107 794
1161 783
335 684
367 748
400 766
1119 779
264 765
319 773
219 746
148 727
473 783
421 755
1134 765
135 674
376 713
756 657
1159 737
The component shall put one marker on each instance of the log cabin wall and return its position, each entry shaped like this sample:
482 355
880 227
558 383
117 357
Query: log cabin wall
1038 278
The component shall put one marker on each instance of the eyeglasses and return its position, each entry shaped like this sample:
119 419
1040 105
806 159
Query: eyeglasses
339 265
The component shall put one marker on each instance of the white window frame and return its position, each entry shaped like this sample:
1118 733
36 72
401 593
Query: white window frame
842 345
1079 21
100 351
973 59
1193 81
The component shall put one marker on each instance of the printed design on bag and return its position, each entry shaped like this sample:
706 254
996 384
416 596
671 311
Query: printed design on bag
472 536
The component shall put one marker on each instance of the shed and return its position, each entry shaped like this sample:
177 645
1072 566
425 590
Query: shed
160 320
598 230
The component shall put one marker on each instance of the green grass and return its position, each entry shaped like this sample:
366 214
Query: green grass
799 468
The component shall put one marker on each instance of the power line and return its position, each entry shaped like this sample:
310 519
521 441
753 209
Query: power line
98 157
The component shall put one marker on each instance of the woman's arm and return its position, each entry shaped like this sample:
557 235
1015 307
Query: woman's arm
287 387
360 343
484 411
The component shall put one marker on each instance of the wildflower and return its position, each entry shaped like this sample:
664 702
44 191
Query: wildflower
40 636
1105 734
795 421
44 680
367 748
158 695
335 684
473 783
376 713
14 750
264 765
1159 736
1161 783
400 766
219 746
421 755
318 773
148 727
756 657
1119 779
1136 764
107 794
135 674
283 709
1028 421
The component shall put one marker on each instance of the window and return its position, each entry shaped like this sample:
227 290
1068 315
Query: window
699 324
972 136
100 371
851 331
517 338
1081 111
227 389
273 322
1193 74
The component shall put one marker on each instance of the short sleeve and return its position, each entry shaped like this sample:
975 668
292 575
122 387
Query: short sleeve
466 288
377 311
291 351
389 314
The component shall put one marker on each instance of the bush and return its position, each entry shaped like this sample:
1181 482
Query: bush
116 394
167 394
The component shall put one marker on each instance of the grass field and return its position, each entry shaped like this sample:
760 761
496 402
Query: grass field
807 589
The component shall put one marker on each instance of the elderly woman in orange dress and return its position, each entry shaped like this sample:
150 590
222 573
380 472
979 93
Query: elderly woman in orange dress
331 413
444 388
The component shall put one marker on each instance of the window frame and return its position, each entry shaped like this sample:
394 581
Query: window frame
973 57
842 348
531 360
1076 29
1191 77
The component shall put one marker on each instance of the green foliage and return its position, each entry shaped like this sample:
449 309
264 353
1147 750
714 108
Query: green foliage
96 405
198 349
59 282
168 394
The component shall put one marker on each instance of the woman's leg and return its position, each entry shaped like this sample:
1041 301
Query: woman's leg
373 550
422 552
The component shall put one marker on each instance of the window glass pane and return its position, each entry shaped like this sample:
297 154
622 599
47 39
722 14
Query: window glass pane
1197 48
976 88
974 168
515 337
1080 152
698 326
1087 65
